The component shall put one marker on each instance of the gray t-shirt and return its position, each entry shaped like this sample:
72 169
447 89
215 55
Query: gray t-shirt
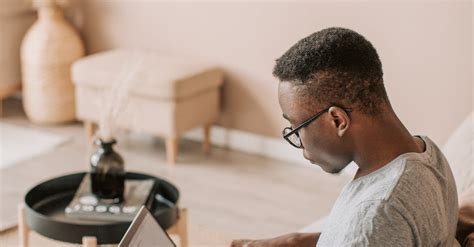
411 201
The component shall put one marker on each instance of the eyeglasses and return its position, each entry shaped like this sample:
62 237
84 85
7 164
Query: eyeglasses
293 137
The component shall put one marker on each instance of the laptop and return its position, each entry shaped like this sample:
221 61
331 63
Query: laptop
145 232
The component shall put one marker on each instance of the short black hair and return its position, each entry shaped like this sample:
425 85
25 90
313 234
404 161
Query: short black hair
335 66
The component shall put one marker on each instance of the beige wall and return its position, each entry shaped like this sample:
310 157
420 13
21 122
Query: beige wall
15 19
426 50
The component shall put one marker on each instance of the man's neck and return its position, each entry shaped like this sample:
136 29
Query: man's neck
383 142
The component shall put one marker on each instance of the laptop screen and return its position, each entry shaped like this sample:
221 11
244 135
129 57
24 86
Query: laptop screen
145 231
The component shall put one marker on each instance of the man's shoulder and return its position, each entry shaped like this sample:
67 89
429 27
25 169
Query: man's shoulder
407 182
426 177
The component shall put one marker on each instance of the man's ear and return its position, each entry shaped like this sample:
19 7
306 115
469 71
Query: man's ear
340 119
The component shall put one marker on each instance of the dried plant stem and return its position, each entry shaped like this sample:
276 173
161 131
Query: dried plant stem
116 98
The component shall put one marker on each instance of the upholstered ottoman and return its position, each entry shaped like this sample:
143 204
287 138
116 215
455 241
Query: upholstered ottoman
166 95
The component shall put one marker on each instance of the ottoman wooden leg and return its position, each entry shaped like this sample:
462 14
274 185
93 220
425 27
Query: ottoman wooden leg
88 241
171 150
23 230
90 128
206 143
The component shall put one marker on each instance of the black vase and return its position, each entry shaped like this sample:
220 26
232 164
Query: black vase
107 172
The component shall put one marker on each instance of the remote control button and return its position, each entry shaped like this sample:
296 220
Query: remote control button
88 208
101 209
129 209
114 209
88 200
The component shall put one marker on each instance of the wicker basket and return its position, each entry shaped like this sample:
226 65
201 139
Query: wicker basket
49 48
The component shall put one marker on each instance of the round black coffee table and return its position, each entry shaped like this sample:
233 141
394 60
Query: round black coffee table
44 206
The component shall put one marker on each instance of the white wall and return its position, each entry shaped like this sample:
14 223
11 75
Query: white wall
425 47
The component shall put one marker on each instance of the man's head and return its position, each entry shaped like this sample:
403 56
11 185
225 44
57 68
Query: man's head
333 69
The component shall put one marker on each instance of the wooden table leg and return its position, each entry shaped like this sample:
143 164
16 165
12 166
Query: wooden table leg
23 230
181 228
88 241
206 143
171 149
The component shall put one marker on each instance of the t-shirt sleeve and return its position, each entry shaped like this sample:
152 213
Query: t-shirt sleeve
380 225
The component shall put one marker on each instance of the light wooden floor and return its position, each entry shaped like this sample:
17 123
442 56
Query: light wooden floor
228 194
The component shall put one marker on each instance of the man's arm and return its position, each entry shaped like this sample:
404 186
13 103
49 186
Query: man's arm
288 240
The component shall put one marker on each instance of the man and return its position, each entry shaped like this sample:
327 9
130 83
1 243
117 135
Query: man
332 93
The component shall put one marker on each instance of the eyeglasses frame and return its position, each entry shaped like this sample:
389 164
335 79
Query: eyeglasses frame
306 123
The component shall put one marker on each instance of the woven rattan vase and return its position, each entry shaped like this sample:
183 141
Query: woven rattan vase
49 48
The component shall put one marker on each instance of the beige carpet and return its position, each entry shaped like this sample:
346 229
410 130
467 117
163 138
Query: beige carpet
19 143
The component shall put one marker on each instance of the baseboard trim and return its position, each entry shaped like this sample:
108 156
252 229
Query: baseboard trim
273 148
